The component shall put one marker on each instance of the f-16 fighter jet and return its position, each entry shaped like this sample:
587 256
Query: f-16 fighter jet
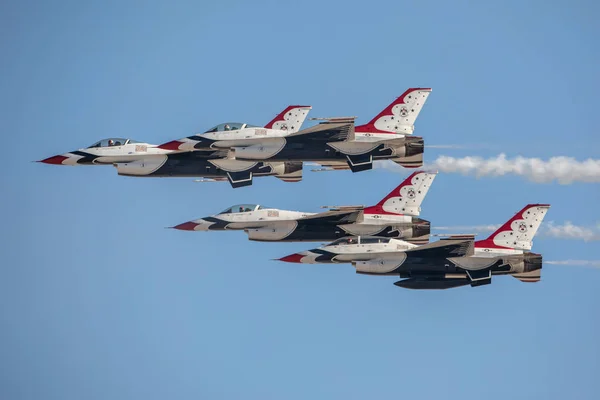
396 215
335 144
132 158
447 263
230 134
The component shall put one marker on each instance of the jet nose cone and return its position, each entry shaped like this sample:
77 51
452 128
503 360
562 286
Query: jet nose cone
56 160
172 145
186 226
293 258
196 225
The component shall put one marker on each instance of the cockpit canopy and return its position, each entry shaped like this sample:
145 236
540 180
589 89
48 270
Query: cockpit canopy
230 126
359 240
239 208
110 142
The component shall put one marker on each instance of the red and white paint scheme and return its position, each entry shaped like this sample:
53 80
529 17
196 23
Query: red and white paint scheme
231 134
398 118
396 215
516 235
406 199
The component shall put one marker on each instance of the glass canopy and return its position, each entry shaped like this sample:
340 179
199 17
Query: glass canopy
230 126
239 208
110 142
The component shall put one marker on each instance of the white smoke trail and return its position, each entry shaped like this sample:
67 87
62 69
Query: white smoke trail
570 231
565 170
582 263
566 230
460 146
468 228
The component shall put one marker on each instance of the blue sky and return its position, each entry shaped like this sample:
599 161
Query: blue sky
98 301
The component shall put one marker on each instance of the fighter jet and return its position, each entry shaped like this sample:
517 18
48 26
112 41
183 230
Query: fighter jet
451 262
133 158
396 215
334 144
231 134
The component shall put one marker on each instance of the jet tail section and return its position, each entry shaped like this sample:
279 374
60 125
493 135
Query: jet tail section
518 232
290 119
400 116
407 197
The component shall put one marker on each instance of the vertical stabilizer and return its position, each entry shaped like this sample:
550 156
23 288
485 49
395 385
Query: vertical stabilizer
407 197
290 119
400 116
518 232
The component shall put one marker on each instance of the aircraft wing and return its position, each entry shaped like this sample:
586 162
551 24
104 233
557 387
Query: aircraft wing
443 249
331 218
324 132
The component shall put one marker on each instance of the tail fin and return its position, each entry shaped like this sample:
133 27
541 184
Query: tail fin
518 232
400 116
407 197
290 119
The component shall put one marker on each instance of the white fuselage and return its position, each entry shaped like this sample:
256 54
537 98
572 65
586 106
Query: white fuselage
346 253
115 154
228 139
496 252
282 219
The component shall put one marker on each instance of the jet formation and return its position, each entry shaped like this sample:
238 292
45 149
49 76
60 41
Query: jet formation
388 238
237 152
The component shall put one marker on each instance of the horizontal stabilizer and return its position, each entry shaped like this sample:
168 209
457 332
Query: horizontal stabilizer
531 276
295 176
415 161
465 236
443 236
419 240
335 120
